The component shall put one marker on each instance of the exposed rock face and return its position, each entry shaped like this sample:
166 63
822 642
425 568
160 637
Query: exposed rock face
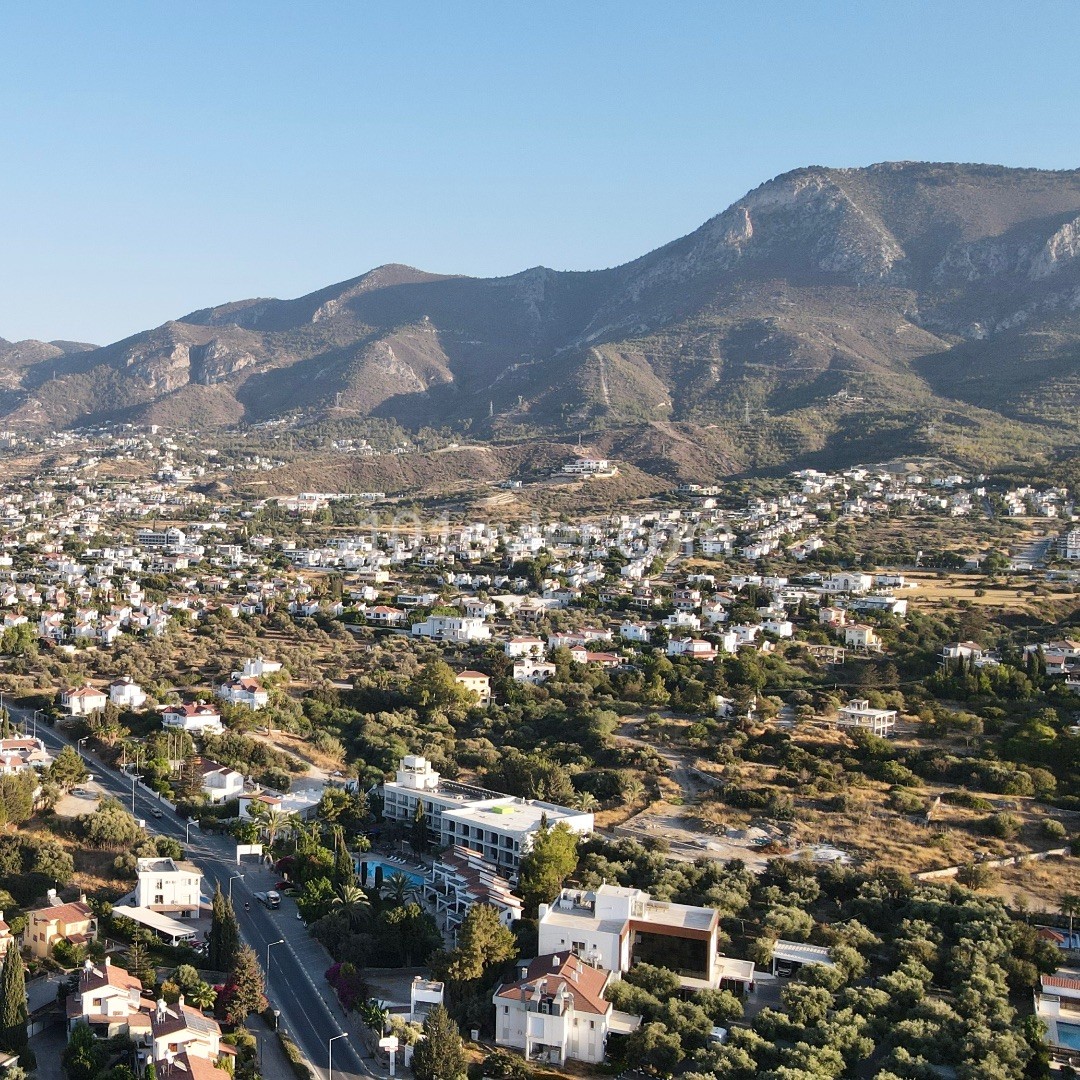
900 284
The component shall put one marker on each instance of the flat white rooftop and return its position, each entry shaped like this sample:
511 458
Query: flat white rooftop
514 816
797 952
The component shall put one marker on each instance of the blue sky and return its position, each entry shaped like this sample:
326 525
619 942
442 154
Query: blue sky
159 157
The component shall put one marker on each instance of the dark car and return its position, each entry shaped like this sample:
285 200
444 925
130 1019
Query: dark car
157 813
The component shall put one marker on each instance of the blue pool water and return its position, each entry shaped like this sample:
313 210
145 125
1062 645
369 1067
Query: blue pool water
1069 1035
388 868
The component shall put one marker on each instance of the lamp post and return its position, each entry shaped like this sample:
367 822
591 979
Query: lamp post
269 946
231 880
133 776
79 745
190 824
330 1055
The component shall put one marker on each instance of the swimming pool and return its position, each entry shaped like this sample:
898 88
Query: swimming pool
1068 1035
368 867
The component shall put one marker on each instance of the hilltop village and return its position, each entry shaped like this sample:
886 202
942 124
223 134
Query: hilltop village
775 778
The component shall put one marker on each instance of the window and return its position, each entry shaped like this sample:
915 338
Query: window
592 1025
578 947
506 1009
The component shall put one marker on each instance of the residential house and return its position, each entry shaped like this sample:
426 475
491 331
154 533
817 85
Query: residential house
1057 1005
556 1011
180 1029
84 701
692 647
532 671
858 714
257 667
243 690
476 682
219 782
22 753
523 646
457 628
111 1001
580 655
861 636
196 718
75 923
167 886
385 616
125 693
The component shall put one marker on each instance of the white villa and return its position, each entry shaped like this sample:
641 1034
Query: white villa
83 701
459 628
858 714
616 927
125 693
556 1011
243 690
219 782
167 886
195 718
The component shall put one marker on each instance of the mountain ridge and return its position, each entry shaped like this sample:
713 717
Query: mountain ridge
915 287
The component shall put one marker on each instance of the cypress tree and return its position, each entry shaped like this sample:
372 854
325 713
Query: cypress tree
13 1003
224 940
344 872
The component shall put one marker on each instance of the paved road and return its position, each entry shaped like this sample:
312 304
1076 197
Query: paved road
293 986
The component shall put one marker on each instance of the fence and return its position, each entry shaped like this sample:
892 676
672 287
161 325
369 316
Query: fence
1012 860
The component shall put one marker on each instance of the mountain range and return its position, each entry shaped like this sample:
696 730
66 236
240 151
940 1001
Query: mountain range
824 311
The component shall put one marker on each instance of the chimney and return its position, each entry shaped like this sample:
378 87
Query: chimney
108 961
180 1001
160 1012
555 962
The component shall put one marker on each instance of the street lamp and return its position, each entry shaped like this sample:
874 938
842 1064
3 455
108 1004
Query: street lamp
79 745
330 1055
269 946
133 775
231 880
190 824
36 712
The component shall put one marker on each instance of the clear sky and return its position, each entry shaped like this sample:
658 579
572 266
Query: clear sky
157 157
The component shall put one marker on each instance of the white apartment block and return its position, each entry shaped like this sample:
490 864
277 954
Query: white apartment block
499 827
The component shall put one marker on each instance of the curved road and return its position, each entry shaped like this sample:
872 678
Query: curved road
298 992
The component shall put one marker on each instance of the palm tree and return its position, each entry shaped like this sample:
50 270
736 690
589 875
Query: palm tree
398 889
1070 905
202 995
353 901
275 822
587 802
